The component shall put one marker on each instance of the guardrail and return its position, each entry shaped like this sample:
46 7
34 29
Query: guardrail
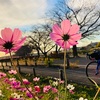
7 65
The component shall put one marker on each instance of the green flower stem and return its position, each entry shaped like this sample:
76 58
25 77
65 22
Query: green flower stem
65 75
96 94
20 77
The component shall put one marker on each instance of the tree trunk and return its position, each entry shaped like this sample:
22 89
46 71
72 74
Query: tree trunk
75 54
38 53
45 54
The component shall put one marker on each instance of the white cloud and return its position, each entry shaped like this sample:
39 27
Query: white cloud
21 12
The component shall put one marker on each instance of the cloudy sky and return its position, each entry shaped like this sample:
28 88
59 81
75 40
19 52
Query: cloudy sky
24 14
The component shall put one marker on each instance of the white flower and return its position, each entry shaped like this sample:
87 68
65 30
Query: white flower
55 83
15 95
1 93
70 87
81 98
57 79
12 79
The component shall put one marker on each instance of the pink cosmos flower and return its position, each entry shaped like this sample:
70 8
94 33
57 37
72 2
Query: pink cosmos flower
37 89
13 98
61 81
46 88
30 89
22 89
2 74
71 91
12 72
15 84
28 93
25 81
54 90
11 40
36 79
65 36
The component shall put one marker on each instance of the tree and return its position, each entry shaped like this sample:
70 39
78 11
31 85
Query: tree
87 17
40 39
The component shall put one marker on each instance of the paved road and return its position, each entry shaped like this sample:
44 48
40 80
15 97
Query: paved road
75 74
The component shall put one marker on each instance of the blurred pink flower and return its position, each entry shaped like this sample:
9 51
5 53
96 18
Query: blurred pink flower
28 93
61 81
71 91
30 89
36 79
13 98
25 81
2 74
54 90
10 40
65 36
37 89
12 72
15 84
22 89
46 88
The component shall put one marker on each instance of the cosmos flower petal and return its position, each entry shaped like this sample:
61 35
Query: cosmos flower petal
18 44
16 48
74 29
22 41
63 44
57 29
55 36
71 42
65 26
17 34
60 42
66 45
76 37
3 50
1 41
6 34
7 51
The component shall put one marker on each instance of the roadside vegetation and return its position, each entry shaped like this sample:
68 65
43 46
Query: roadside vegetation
43 88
